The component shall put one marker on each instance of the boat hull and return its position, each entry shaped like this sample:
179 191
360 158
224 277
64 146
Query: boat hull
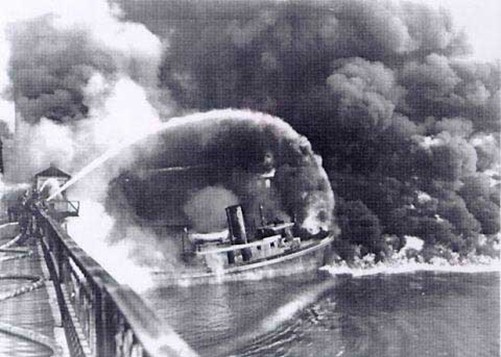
300 261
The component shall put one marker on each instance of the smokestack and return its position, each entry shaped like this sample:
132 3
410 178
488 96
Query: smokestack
236 225
261 214
1 157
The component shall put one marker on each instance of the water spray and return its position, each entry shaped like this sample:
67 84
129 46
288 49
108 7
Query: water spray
172 123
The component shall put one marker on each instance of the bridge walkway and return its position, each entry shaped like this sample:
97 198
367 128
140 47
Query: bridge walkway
54 298
30 324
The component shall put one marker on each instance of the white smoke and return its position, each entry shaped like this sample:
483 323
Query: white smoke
205 208
118 101
90 231
118 96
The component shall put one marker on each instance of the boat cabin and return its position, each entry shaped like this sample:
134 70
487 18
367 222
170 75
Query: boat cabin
233 247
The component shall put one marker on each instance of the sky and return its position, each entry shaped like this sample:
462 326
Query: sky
481 20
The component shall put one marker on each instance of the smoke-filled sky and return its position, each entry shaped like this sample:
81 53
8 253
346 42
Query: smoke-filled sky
403 90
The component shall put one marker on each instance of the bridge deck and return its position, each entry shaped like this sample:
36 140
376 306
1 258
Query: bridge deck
28 325
99 316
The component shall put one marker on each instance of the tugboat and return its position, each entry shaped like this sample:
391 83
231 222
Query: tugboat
274 250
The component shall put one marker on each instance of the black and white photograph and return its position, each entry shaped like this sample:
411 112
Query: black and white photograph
250 178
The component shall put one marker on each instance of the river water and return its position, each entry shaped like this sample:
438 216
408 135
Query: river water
412 314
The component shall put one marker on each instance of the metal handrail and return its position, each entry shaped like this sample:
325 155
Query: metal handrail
68 206
75 205
102 318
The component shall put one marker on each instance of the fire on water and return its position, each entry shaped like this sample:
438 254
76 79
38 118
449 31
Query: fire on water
367 267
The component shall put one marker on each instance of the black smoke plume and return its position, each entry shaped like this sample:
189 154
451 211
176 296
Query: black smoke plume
382 89
405 123
190 173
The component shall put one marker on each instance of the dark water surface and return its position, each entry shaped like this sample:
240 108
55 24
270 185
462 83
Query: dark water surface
415 314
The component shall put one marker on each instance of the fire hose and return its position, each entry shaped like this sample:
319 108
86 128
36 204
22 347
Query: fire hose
35 282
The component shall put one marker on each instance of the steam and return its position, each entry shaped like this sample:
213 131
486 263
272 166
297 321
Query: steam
91 231
50 188
68 70
206 208
69 76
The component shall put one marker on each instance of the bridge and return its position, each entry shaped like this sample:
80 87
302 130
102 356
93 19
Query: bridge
59 299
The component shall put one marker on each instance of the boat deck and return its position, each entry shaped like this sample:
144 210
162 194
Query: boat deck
308 258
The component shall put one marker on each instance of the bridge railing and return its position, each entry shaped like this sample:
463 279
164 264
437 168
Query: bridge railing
101 317
69 208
